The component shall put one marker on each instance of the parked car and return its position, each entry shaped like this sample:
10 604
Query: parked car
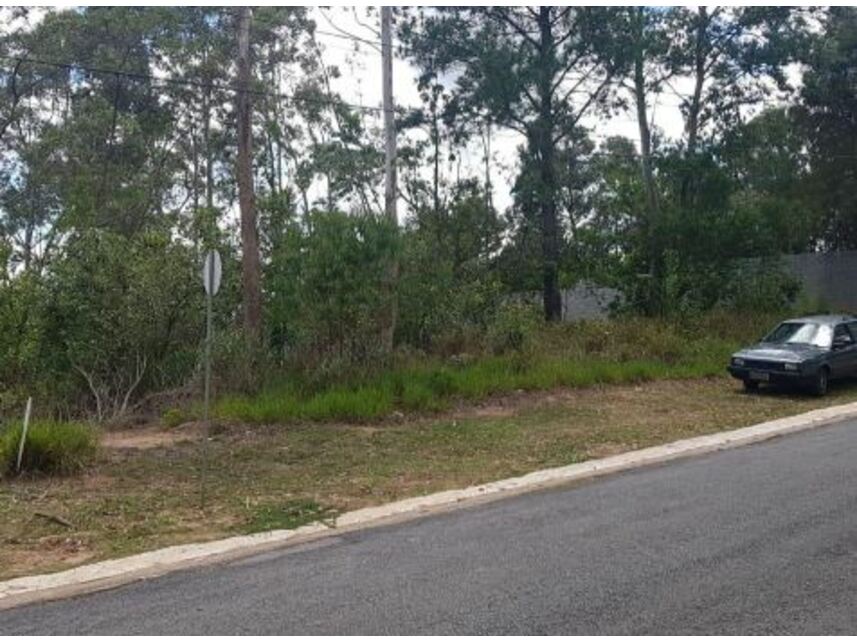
809 351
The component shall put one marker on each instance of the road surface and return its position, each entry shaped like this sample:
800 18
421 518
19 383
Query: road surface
757 540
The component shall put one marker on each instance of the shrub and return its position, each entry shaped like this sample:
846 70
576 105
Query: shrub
51 447
513 328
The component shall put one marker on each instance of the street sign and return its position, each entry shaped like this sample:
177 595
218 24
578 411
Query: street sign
211 272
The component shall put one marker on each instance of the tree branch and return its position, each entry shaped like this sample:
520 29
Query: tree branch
499 15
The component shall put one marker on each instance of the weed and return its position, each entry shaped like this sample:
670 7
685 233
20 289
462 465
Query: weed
289 515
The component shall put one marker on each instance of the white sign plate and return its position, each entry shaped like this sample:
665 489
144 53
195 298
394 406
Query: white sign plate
212 270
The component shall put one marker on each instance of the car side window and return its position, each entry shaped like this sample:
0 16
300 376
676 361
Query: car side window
841 334
852 327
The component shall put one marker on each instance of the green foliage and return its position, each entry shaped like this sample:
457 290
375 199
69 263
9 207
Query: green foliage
827 111
448 288
112 187
513 328
442 306
51 447
120 317
576 355
325 284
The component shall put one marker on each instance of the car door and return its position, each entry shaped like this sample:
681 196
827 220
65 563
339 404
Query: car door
843 360
852 351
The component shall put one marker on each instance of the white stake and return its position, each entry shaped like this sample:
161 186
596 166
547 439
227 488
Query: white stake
24 432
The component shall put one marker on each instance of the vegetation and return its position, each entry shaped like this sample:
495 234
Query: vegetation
119 170
575 355
50 447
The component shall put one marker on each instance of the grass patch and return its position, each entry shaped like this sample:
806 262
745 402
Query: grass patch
51 447
574 355
434 387
289 515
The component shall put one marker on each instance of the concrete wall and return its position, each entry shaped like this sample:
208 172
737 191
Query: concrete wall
830 278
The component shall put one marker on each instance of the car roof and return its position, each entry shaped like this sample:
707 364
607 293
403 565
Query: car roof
823 319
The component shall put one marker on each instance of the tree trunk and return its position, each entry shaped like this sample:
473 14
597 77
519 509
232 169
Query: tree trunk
653 248
489 188
388 326
206 135
642 116
435 139
547 174
692 124
699 79
250 262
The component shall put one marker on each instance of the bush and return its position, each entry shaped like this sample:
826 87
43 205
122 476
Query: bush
513 328
325 289
119 318
51 447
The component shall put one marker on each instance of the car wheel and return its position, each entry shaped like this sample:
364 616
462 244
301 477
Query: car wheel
750 386
822 381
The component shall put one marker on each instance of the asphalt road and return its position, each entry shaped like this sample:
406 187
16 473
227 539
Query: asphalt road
757 540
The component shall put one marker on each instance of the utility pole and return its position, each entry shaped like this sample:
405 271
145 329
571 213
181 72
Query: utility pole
390 193
251 268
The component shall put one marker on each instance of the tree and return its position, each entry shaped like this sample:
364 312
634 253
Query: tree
529 69
251 268
735 58
829 105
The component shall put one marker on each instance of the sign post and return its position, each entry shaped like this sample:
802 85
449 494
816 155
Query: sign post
24 432
212 271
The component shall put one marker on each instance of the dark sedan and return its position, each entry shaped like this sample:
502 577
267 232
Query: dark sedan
809 352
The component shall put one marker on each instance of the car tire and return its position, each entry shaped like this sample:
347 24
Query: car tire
822 382
750 386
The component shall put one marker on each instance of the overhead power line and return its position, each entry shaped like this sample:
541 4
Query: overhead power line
183 82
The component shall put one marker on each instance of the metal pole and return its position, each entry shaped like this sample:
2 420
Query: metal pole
24 432
207 396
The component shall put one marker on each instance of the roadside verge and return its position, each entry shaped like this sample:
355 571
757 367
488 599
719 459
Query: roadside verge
113 573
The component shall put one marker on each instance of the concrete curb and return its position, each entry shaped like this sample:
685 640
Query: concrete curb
113 573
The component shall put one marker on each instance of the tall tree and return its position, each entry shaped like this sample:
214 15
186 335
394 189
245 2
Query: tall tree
829 111
391 192
642 51
735 57
251 268
531 69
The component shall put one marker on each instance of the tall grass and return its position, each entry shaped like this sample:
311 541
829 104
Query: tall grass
573 355
51 447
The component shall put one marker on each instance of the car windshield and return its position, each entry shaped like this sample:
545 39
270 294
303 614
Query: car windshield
820 335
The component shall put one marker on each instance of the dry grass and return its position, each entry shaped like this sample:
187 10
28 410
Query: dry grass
137 499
